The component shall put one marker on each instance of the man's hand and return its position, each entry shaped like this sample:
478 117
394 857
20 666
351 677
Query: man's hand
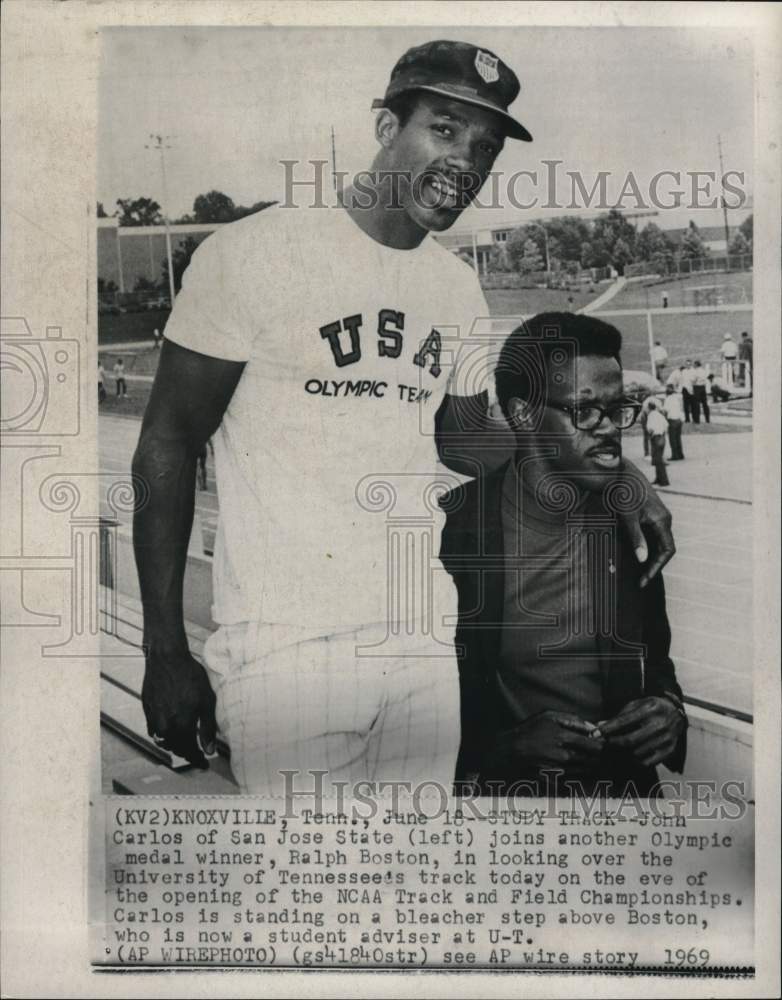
648 727
656 518
549 738
179 705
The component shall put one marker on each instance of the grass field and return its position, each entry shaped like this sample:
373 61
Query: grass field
528 301
683 335
648 294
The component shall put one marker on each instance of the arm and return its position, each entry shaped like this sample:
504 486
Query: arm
469 440
473 443
189 397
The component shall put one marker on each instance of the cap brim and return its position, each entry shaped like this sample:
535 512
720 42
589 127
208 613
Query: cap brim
513 129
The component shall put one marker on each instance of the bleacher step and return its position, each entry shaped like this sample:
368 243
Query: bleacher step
122 676
142 777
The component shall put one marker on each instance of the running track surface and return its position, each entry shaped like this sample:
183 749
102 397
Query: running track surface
708 583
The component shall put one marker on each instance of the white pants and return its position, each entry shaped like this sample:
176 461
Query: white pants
289 701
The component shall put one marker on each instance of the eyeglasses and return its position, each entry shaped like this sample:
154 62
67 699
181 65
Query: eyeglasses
588 416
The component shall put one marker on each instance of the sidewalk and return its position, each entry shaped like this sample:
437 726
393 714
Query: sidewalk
598 303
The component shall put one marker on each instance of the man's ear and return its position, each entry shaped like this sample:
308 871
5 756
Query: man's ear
520 414
386 127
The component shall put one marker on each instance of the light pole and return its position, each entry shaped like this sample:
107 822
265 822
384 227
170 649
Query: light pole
159 143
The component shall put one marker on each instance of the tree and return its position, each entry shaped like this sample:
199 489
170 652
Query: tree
692 246
214 207
740 245
621 256
531 260
653 244
499 261
517 247
566 236
595 253
143 284
608 229
241 212
747 229
180 258
101 211
139 212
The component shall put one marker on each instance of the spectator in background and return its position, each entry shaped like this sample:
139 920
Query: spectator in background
119 377
101 383
674 414
657 426
675 379
745 355
660 356
718 392
644 430
686 384
729 350
665 300
157 338
700 400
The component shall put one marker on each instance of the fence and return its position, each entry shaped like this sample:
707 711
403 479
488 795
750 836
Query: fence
687 266
548 279
127 302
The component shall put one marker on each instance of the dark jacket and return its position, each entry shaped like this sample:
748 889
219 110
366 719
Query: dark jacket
635 661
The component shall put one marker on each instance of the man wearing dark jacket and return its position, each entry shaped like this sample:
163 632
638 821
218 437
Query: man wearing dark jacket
565 673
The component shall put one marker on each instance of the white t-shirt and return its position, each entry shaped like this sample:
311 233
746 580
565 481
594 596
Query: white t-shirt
729 348
656 422
327 445
672 404
687 379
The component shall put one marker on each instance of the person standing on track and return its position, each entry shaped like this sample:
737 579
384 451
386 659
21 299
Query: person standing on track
745 356
700 400
674 414
688 398
119 378
330 322
729 350
660 356
657 427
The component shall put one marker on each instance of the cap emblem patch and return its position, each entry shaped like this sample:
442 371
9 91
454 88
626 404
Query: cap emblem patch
486 66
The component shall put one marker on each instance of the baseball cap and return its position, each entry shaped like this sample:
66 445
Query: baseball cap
462 72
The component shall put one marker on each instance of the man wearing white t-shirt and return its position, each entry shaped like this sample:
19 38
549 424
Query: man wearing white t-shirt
319 344
674 414
660 356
